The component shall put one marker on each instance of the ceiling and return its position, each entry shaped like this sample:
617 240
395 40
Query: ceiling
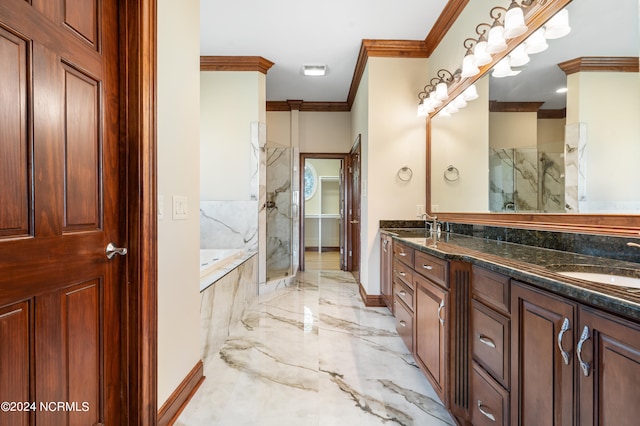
292 33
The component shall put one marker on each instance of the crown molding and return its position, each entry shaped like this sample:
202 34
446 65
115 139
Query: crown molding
235 63
552 113
275 106
601 63
449 14
495 106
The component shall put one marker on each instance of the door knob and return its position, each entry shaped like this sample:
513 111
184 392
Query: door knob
112 250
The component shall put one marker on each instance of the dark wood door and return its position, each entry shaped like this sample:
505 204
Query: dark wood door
386 267
609 374
430 319
542 379
354 211
60 204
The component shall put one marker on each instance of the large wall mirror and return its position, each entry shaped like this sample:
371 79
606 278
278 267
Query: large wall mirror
527 153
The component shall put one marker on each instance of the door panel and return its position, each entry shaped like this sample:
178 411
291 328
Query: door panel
353 263
60 198
14 176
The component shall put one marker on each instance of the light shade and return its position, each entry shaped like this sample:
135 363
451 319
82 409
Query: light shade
441 91
518 56
558 25
480 55
433 100
459 102
469 68
536 42
503 69
496 42
470 93
514 21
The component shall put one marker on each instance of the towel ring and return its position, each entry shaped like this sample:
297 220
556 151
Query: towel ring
452 174
405 174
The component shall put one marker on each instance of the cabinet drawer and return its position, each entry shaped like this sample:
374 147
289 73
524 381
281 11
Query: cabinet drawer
491 288
432 267
490 341
404 273
489 402
404 324
402 292
403 253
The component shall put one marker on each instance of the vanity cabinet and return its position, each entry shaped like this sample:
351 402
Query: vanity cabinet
431 320
386 270
490 339
403 291
559 344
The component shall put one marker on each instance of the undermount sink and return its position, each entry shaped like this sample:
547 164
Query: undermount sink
621 277
603 278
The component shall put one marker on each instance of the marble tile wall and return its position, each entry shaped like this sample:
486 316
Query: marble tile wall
229 224
575 156
224 303
279 212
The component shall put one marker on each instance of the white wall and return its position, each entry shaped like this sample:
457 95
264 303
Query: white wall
178 174
318 132
463 142
392 137
230 102
609 104
513 129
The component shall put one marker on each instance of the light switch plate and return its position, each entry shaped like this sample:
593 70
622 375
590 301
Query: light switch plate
180 207
160 207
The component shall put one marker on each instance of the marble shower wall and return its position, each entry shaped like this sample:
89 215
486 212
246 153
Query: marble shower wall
223 305
279 212
229 224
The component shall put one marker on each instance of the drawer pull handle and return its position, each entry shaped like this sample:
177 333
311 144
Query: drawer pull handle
486 413
402 254
428 267
565 326
403 324
484 339
402 293
583 338
439 310
402 274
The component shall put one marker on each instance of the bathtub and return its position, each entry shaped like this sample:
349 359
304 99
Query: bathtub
216 263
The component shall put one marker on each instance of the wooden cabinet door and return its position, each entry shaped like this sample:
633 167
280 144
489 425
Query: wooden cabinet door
60 205
430 317
386 260
542 391
608 367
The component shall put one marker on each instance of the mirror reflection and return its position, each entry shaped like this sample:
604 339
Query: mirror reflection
526 146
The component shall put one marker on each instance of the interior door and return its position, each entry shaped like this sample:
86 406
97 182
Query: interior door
354 210
60 205
341 226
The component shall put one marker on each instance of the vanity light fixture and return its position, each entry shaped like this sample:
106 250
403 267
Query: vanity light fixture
518 56
470 93
536 42
514 21
496 42
480 55
469 65
435 93
503 69
314 70
557 26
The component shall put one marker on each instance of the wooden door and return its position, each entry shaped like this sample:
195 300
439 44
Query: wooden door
430 340
542 379
354 210
60 205
608 367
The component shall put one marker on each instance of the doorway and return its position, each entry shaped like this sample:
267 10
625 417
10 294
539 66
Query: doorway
322 207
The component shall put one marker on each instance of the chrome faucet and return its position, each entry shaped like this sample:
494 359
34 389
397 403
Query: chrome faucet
433 224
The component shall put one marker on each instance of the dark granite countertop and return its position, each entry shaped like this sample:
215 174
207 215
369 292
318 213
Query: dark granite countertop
536 266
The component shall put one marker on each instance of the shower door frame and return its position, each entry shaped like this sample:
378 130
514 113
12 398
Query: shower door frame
344 243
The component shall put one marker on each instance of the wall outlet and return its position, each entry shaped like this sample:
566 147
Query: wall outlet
180 207
419 209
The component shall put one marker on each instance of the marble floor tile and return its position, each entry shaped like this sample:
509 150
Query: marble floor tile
312 354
